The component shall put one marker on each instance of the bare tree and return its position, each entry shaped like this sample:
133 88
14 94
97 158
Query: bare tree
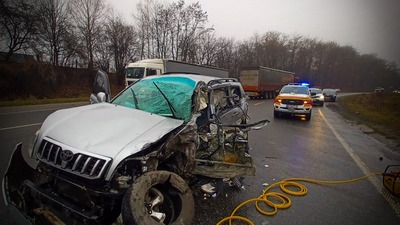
18 21
143 20
122 42
103 54
54 26
88 16
189 25
206 49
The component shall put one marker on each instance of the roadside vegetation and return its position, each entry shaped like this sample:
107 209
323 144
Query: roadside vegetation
380 112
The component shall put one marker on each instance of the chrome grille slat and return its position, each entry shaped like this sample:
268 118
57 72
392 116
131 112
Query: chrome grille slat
86 164
49 154
57 155
44 147
77 161
94 167
82 164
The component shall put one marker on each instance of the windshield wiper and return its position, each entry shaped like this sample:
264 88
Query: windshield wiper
135 101
171 107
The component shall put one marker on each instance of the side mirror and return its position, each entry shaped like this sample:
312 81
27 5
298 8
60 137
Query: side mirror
101 88
100 97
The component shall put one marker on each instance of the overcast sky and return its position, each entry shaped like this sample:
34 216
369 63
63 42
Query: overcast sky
370 26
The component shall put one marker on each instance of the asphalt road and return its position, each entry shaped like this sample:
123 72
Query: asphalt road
325 148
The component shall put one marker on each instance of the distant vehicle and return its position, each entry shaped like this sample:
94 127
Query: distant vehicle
264 82
396 91
317 96
293 99
149 67
329 94
379 90
135 158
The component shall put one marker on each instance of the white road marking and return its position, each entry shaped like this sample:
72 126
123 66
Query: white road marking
16 127
28 111
259 103
374 180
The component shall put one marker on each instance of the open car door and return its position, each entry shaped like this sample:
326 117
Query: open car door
101 88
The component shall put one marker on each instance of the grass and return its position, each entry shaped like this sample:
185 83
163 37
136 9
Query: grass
381 112
382 109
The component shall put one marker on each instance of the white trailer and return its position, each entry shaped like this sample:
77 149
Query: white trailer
147 67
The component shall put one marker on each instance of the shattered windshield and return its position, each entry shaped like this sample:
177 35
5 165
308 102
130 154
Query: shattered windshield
166 96
134 72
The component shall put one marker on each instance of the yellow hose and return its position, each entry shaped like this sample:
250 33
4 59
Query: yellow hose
285 201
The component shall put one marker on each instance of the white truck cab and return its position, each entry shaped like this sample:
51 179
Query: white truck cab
137 70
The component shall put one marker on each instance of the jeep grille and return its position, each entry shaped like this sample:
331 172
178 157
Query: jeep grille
70 160
293 102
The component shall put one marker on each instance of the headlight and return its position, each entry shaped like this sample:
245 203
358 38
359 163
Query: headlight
321 97
32 144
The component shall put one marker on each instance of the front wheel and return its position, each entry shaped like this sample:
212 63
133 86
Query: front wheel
308 116
276 114
158 197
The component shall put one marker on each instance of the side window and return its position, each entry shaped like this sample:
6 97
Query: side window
151 72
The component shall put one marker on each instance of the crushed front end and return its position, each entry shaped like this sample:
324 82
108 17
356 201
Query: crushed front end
48 195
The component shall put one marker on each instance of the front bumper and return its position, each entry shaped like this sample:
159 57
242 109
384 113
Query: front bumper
28 202
318 102
292 109
330 98
17 169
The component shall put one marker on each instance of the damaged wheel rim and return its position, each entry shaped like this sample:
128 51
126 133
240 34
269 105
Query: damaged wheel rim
160 205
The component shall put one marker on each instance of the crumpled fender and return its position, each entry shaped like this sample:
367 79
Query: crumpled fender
17 171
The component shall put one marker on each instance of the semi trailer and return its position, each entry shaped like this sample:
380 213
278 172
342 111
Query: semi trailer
264 82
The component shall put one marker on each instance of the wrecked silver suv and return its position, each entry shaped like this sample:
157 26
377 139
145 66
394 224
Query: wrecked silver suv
137 159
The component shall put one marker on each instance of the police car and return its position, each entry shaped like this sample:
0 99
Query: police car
294 99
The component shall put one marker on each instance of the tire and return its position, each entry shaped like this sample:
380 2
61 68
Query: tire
171 198
276 114
308 116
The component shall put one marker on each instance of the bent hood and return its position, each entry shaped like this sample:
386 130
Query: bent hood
106 129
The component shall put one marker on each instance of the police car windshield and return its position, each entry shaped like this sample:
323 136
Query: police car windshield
294 90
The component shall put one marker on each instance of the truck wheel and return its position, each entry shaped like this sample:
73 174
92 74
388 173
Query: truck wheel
158 197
